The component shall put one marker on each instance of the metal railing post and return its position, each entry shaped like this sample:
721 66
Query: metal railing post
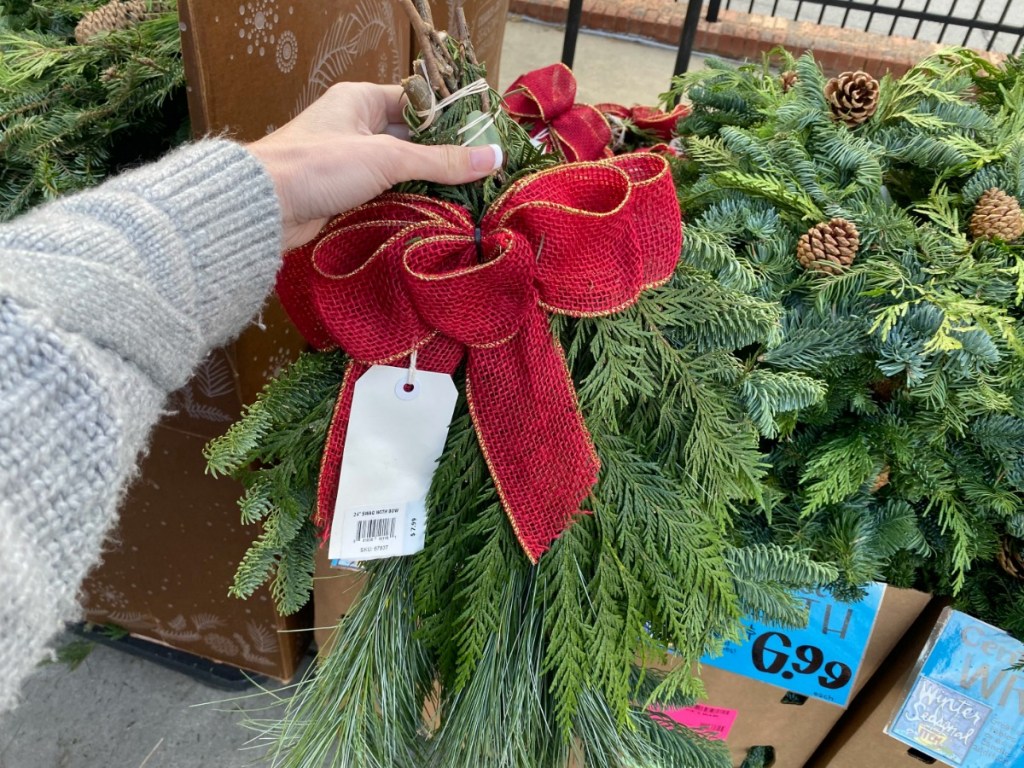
572 31
713 7
688 36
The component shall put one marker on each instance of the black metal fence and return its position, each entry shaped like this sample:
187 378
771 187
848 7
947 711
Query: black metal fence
982 24
687 37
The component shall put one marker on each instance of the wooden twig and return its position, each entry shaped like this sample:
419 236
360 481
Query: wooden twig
422 32
461 27
445 65
453 13
418 91
423 8
466 41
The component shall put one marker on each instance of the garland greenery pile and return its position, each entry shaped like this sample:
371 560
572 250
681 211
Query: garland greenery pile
909 466
72 113
764 422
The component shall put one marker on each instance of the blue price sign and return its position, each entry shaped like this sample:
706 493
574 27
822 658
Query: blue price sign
821 660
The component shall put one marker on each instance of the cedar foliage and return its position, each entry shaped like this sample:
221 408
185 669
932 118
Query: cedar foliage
71 114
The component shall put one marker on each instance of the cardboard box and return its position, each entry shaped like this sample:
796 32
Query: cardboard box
858 736
165 574
794 726
253 65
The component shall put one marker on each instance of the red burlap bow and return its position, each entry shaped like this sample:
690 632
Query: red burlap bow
402 273
546 99
660 124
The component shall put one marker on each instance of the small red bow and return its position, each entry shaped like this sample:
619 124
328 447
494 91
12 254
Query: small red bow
546 98
660 124
402 273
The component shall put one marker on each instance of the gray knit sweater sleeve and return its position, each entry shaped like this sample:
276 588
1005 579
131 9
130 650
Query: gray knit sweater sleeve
108 299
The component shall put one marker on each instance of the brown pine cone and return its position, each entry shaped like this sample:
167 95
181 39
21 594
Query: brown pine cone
853 97
118 15
997 215
1010 557
882 480
829 247
885 389
788 80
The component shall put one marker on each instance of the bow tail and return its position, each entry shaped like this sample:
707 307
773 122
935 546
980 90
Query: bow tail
532 434
330 461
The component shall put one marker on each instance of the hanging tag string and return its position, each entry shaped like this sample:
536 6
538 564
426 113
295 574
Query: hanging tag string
410 379
477 86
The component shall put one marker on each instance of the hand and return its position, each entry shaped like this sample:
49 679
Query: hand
345 150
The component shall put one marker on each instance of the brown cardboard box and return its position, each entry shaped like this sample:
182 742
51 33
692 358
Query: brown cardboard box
252 65
796 730
486 19
858 737
166 574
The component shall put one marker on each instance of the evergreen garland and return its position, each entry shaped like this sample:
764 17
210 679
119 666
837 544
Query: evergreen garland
72 114
917 345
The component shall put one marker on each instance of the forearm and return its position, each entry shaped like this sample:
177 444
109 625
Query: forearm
107 301
160 264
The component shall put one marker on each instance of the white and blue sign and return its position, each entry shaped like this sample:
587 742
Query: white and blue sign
966 705
820 660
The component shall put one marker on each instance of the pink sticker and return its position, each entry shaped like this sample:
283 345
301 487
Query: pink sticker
715 721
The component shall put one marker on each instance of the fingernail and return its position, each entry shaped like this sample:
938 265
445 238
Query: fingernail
487 158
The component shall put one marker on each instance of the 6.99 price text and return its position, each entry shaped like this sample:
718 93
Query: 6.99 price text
773 654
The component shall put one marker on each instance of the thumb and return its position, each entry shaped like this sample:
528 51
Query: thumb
444 164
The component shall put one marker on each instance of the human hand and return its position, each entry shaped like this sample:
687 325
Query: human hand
346 149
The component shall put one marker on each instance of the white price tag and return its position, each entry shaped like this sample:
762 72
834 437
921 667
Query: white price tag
395 436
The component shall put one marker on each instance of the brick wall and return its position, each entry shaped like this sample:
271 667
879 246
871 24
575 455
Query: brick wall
741 35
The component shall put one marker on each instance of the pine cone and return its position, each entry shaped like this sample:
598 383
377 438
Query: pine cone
997 215
1011 558
829 247
853 97
882 480
788 80
118 15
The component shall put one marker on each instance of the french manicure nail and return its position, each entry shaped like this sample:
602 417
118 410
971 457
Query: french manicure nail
488 158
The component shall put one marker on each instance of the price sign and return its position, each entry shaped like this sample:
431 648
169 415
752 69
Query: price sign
713 722
965 704
820 660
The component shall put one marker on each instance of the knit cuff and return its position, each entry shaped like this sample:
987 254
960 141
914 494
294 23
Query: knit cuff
160 264
223 202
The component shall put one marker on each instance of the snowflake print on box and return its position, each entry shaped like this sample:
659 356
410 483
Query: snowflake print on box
257 19
287 51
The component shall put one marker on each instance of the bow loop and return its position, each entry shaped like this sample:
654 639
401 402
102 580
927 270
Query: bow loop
352 277
364 308
543 94
479 305
660 237
659 124
545 98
